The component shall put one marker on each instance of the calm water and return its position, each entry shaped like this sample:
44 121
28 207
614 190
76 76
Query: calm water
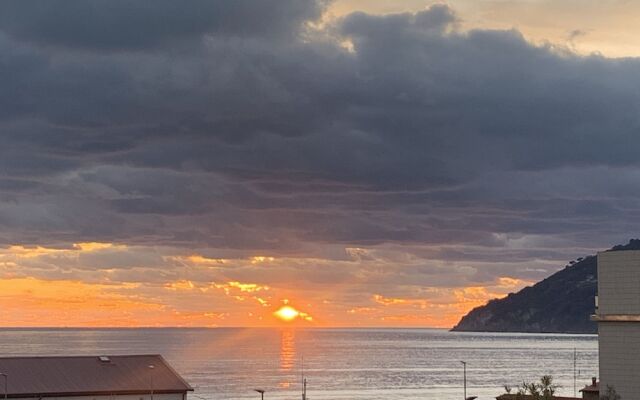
388 364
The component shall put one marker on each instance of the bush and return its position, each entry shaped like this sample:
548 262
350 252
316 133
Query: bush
610 394
543 390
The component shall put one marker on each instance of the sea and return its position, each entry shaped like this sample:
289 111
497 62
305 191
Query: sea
339 364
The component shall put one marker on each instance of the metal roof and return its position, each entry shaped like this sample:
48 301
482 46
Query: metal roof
89 375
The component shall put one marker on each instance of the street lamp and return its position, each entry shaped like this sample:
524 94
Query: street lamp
6 378
261 393
151 368
464 366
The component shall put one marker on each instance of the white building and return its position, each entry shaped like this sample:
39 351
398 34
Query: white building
618 317
136 377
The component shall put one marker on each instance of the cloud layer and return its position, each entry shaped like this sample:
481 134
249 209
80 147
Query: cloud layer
395 156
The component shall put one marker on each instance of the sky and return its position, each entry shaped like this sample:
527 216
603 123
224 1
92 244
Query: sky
365 163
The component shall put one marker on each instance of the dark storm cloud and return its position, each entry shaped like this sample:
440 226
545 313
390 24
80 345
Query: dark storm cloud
236 125
121 24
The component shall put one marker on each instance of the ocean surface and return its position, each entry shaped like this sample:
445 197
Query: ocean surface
389 364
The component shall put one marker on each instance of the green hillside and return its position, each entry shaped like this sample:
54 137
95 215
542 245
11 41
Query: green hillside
561 303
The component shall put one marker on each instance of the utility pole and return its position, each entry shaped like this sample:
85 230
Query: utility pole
464 368
6 383
261 393
575 356
304 380
304 389
151 368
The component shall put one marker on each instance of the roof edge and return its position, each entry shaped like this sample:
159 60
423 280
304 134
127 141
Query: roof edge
94 393
85 356
175 372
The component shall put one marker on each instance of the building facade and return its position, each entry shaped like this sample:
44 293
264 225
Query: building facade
135 377
618 317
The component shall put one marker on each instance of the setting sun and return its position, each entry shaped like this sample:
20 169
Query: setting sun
287 313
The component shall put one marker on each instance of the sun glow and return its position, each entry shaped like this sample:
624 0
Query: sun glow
287 313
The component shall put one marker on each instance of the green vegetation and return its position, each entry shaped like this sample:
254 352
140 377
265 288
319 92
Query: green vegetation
610 394
544 389
561 303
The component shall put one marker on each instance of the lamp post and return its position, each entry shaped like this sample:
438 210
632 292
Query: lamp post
6 379
261 393
151 368
464 368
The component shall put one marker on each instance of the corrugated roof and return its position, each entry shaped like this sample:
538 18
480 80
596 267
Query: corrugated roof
88 375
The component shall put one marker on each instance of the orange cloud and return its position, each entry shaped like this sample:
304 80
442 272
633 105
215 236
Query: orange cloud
389 301
56 287
180 285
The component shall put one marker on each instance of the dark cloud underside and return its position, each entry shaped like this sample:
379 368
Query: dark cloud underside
243 125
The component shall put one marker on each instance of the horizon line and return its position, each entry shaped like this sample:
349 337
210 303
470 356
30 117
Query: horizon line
218 327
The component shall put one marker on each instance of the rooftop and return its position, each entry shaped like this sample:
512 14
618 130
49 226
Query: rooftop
529 397
593 388
90 375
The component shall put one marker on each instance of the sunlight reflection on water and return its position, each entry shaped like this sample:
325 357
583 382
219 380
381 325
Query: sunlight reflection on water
287 350
287 354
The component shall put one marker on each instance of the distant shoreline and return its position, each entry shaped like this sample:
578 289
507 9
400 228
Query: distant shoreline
195 328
